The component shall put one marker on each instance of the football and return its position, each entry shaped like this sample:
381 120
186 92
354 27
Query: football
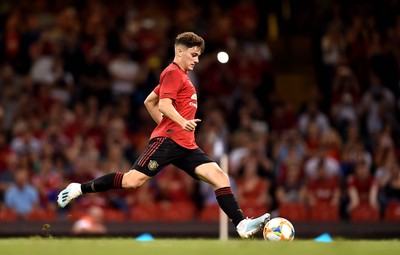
278 229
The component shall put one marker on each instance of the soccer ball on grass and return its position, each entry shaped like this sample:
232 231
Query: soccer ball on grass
278 229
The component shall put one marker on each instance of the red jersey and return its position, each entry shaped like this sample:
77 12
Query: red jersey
175 84
323 190
362 186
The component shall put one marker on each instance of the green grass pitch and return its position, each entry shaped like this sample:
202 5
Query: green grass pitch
164 246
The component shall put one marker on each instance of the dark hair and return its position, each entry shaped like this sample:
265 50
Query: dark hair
189 40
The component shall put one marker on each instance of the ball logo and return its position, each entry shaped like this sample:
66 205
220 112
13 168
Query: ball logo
152 165
194 97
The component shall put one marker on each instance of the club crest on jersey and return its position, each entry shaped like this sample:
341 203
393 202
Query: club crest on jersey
152 165
194 97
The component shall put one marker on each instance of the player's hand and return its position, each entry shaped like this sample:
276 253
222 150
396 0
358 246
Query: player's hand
190 125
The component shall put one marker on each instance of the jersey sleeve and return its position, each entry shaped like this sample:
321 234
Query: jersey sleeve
157 89
170 85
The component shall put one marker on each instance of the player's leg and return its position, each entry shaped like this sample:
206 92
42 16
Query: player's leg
130 180
213 174
152 160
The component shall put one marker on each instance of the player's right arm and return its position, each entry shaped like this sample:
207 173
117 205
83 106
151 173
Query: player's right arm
165 107
151 104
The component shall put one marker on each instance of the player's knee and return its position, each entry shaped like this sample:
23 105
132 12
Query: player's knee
220 179
133 179
224 180
221 175
213 174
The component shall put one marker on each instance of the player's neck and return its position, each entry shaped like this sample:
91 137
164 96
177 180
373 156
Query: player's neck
177 62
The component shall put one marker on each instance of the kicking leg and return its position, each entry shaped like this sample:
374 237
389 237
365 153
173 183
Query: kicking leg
212 174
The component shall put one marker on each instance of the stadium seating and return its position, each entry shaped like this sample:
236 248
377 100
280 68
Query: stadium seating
293 211
42 215
254 211
75 214
364 213
111 214
209 213
324 212
7 215
177 211
145 212
392 212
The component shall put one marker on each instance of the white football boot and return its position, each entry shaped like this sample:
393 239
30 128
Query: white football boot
72 191
248 227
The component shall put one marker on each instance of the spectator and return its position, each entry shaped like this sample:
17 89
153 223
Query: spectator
48 182
388 179
283 117
22 196
173 186
9 98
290 185
94 76
114 158
117 132
12 38
241 142
312 165
290 146
391 183
125 74
213 136
333 45
352 135
5 153
47 68
312 138
244 17
362 187
324 188
257 153
91 223
351 154
253 189
24 141
146 195
345 82
344 111
384 147
356 39
312 114
332 142
378 104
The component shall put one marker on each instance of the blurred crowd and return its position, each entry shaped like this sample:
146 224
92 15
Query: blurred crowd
74 75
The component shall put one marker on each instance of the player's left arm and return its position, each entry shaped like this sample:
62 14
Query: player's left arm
151 104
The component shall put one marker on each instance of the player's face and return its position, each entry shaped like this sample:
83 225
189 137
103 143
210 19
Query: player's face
190 57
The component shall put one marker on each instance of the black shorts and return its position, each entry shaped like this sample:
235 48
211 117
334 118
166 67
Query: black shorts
163 151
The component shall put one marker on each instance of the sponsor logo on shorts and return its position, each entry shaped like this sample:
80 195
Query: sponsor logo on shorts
152 165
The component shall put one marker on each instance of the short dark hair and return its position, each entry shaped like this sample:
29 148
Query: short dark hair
189 40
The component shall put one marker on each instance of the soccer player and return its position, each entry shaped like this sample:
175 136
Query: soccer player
172 105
